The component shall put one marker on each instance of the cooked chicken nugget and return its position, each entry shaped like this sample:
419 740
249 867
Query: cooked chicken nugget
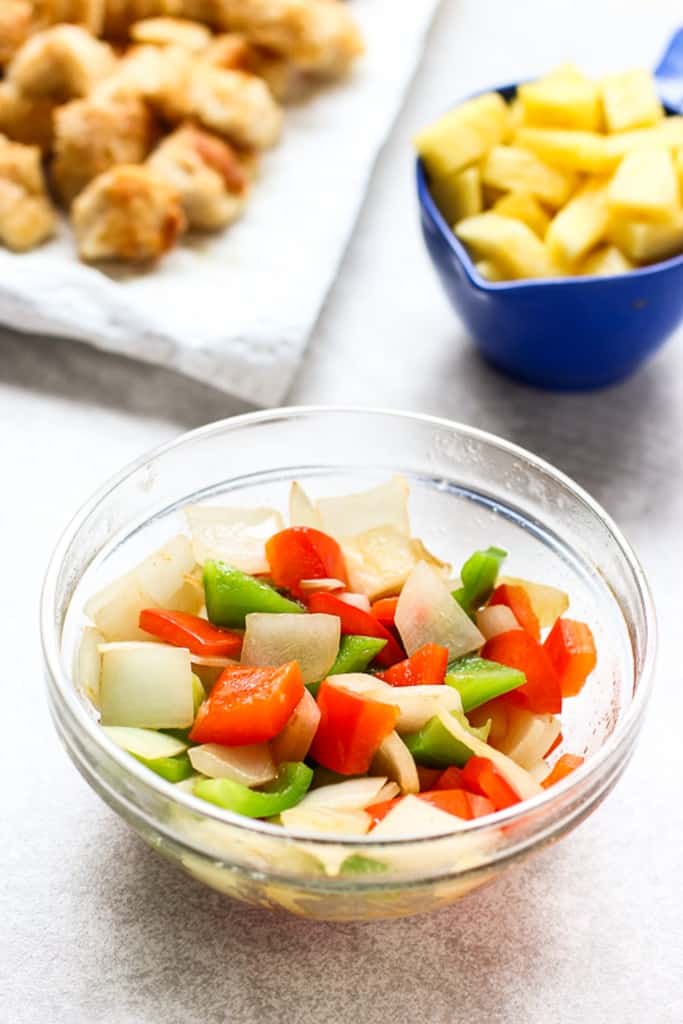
233 51
171 32
207 173
26 216
319 37
234 104
129 213
94 134
16 22
156 74
24 118
61 63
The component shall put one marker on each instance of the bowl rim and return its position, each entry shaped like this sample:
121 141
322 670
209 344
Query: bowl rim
459 250
51 639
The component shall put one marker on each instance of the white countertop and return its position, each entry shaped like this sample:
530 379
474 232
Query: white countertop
94 927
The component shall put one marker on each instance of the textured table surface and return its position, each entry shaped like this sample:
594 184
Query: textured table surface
93 926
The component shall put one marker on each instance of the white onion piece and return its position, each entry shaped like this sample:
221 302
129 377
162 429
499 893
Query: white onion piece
145 742
275 639
146 685
385 505
528 736
251 765
496 619
358 682
539 771
495 712
327 820
417 704
88 664
379 561
356 600
208 668
524 786
236 536
395 760
327 584
427 613
338 796
294 742
412 817
389 791
302 511
547 603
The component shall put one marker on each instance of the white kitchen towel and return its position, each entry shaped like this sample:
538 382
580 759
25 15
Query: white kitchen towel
235 310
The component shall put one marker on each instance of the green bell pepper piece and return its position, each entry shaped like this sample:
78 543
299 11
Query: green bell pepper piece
478 680
232 594
355 654
358 864
434 747
174 769
285 791
478 576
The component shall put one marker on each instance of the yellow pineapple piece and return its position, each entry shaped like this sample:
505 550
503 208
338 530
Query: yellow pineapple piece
668 132
518 170
645 186
489 270
605 262
580 225
525 207
568 149
562 101
515 118
464 135
630 101
458 195
510 244
645 241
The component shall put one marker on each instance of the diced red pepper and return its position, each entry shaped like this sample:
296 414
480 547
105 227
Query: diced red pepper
356 622
564 766
517 600
302 553
428 777
453 801
351 729
480 805
451 778
480 775
571 649
248 705
379 811
385 610
426 666
554 745
542 692
183 630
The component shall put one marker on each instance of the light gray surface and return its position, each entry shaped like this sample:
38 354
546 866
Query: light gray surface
93 926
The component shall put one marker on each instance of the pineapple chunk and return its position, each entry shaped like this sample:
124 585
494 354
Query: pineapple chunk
463 135
525 207
458 195
668 132
489 270
580 225
515 118
571 150
630 101
514 169
510 243
646 242
562 101
645 186
605 262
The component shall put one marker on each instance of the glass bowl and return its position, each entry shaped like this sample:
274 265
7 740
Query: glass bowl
469 490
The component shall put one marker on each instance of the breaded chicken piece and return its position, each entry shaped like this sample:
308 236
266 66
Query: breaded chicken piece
207 173
130 214
16 22
120 15
94 134
233 51
60 64
234 104
26 216
171 32
88 13
318 36
156 74
26 119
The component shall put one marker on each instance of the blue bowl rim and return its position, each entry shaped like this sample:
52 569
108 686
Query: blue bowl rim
459 250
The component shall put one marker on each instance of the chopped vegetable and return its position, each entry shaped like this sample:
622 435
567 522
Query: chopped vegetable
294 742
571 649
183 630
415 704
478 576
351 729
146 685
385 610
427 613
248 705
301 509
385 505
413 817
348 795
435 746
235 536
480 775
564 767
251 765
528 736
517 600
495 619
231 595
542 691
426 666
310 640
302 553
285 791
356 653
393 759
88 664
327 820
356 622
478 680
547 603
147 744
380 560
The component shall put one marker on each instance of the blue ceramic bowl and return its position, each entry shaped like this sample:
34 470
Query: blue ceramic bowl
570 333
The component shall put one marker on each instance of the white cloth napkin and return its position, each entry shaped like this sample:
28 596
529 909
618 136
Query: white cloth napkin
236 309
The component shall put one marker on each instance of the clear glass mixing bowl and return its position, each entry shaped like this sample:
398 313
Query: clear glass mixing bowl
469 490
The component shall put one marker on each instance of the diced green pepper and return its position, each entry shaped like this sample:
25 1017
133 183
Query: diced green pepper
478 680
355 654
285 791
357 864
434 747
232 594
478 576
174 769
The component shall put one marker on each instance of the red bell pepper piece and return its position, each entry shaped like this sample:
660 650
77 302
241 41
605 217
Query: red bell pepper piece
451 778
356 622
351 729
385 610
517 600
571 649
426 666
248 705
564 766
480 775
183 630
480 805
428 777
453 801
542 692
302 553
